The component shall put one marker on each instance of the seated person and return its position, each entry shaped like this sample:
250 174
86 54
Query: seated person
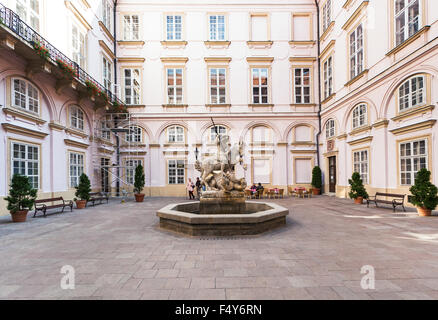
277 191
260 187
253 188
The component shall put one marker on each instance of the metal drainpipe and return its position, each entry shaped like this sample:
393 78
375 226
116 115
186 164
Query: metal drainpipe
319 84
115 82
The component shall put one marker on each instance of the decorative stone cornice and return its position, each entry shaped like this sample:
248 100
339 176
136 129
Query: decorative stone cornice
23 131
107 50
217 44
106 31
301 151
174 59
408 41
70 5
138 43
131 60
381 124
175 44
302 59
414 127
327 31
77 144
259 44
260 59
217 59
360 141
360 130
355 15
342 136
413 112
16 113
76 132
56 126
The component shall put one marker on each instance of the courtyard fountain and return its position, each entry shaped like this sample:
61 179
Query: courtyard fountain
222 209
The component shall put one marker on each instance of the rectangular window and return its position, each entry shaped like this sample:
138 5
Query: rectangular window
107 14
131 27
132 86
303 171
76 118
259 28
29 12
259 85
174 27
217 28
328 77
134 135
78 46
360 116
360 164
76 168
25 95
407 19
217 85
174 86
107 73
25 161
131 165
356 52
176 171
302 85
413 158
326 15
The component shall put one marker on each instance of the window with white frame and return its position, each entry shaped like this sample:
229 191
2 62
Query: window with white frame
107 14
132 86
176 171
330 128
360 164
214 131
217 27
106 131
360 116
131 27
407 19
328 77
78 46
174 27
412 93
326 15
356 52
135 134
413 158
302 85
29 12
259 85
217 85
131 165
25 161
25 95
76 165
76 118
175 134
107 73
175 86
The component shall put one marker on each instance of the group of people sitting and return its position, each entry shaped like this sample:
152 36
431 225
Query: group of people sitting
258 189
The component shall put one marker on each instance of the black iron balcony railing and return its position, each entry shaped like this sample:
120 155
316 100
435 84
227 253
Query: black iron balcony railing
12 21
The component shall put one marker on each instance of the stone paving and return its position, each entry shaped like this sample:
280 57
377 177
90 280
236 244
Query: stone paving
118 252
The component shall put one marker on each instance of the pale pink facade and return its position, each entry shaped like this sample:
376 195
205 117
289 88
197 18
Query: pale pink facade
280 126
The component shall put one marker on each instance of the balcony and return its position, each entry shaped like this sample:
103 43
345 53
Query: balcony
16 35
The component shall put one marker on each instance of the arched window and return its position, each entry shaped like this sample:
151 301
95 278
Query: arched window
175 134
76 118
219 129
360 117
330 129
134 135
411 93
25 95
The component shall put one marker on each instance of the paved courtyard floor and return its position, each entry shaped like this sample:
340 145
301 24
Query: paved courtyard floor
118 252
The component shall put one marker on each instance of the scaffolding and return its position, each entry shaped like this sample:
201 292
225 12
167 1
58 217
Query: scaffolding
117 150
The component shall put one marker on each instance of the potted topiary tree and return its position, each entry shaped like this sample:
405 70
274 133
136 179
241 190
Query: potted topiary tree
139 183
21 198
424 193
83 191
358 191
316 180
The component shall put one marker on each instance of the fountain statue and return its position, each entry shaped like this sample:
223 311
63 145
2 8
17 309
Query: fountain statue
222 209
224 192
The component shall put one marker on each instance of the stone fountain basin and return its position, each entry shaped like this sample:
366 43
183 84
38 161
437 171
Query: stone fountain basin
259 217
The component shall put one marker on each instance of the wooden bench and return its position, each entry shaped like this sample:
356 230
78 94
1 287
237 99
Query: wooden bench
40 205
98 196
398 199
